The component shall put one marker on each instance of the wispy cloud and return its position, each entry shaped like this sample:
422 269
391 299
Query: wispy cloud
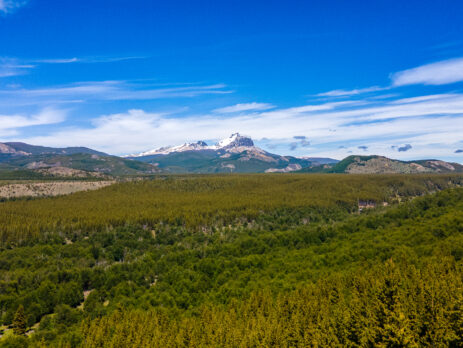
58 60
434 127
439 73
433 123
446 45
244 107
15 66
352 92
86 59
104 90
8 6
11 67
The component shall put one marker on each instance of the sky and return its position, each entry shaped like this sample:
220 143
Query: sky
302 78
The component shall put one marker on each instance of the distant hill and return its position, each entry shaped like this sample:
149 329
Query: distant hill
235 154
384 165
21 160
21 149
48 164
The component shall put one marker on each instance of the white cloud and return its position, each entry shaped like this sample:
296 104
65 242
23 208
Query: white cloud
440 73
11 67
14 66
58 60
10 124
430 125
86 59
103 90
244 107
7 6
345 93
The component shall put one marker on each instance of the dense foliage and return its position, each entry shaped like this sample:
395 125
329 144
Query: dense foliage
283 260
111 165
203 201
212 161
390 306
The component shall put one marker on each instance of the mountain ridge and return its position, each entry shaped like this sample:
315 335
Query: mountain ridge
374 164
234 141
235 154
23 149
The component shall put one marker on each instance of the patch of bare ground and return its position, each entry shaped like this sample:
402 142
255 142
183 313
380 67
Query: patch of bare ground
70 172
55 188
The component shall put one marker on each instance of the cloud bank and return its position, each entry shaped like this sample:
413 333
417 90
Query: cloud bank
374 123
433 125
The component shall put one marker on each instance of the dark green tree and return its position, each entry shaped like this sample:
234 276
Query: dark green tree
19 321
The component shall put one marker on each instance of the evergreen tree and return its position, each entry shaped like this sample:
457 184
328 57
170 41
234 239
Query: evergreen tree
19 321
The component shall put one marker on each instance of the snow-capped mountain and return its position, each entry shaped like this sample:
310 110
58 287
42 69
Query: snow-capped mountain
234 143
235 140
200 145
237 153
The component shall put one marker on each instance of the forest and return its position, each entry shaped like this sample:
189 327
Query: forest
237 261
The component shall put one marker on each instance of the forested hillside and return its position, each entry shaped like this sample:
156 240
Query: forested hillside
92 163
258 260
382 165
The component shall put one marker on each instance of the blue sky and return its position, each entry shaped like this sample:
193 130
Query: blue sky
303 78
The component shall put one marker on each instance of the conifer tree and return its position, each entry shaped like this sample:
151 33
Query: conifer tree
19 321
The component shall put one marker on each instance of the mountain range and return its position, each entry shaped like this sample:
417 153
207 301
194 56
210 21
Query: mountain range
24 161
235 154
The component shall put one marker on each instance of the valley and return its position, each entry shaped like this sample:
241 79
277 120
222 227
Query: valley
231 174
226 260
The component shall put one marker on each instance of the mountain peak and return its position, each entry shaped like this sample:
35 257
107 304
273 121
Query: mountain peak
199 145
235 140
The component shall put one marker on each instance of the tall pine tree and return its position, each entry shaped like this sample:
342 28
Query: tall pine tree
19 321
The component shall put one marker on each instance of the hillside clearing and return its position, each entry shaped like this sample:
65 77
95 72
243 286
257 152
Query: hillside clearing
56 188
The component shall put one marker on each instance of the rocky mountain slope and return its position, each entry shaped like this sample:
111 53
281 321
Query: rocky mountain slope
23 149
74 165
236 153
384 165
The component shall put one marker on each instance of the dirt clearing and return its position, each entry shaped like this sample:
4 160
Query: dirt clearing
55 188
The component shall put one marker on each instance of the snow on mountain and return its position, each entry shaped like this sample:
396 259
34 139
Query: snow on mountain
234 143
235 140
200 145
